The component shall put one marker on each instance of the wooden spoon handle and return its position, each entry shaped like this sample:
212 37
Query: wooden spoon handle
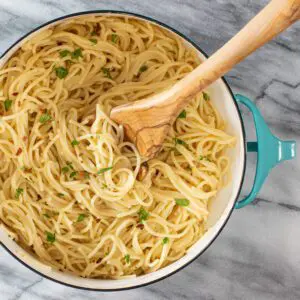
277 16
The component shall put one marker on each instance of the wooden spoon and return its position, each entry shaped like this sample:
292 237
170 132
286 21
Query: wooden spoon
148 121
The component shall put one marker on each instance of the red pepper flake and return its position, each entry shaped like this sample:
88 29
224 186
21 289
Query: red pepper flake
91 121
15 94
25 138
140 225
84 175
19 151
97 29
59 43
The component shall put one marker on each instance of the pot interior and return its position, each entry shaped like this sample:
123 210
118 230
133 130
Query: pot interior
220 208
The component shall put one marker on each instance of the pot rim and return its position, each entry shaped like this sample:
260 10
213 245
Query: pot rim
189 40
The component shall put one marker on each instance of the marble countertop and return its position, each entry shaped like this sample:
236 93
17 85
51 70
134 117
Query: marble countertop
257 256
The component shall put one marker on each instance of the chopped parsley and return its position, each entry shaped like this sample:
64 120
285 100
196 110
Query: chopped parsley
94 41
60 195
143 214
127 258
19 192
143 69
7 104
73 174
19 151
182 202
114 38
50 237
81 217
46 216
106 72
205 96
101 171
65 169
77 53
182 115
93 33
74 143
165 240
179 142
61 72
64 53
44 118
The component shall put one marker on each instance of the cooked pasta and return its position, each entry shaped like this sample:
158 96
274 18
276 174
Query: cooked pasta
74 193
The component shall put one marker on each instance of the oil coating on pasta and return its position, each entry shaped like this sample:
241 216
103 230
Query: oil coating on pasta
74 192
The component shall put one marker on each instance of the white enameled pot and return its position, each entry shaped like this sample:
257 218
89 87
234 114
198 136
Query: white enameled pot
222 206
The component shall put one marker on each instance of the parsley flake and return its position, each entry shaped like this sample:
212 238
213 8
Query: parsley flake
106 72
179 142
44 118
205 96
127 258
165 240
7 104
50 237
101 171
81 217
77 53
182 202
19 192
46 216
94 41
143 69
74 143
64 53
114 38
143 214
182 115
73 174
61 72
65 170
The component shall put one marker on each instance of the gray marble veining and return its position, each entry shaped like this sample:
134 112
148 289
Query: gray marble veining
257 254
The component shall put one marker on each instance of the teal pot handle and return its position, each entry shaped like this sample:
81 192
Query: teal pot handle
270 150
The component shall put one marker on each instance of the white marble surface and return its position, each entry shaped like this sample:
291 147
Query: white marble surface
257 256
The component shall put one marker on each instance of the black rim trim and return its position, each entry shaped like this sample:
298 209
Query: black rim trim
243 134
